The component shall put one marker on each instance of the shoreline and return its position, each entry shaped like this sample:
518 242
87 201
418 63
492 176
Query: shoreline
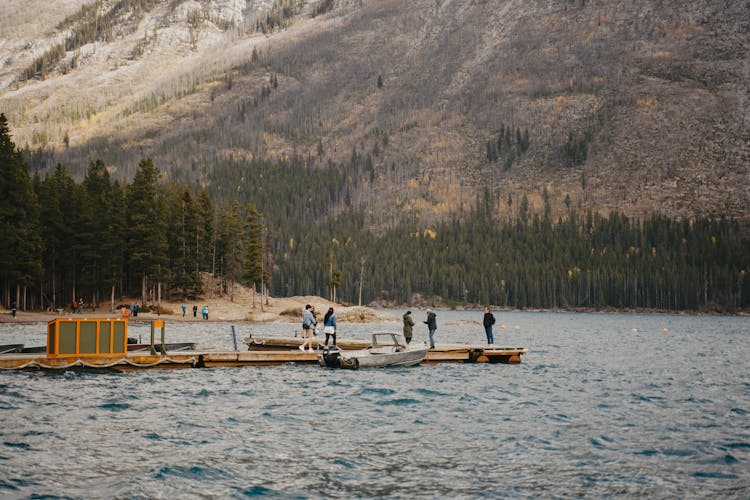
222 309
289 310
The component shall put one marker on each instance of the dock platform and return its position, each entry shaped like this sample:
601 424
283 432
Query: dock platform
443 353
101 343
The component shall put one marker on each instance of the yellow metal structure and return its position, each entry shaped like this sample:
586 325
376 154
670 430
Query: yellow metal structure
71 337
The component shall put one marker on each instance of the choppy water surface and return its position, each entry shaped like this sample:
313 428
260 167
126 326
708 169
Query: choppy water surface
603 405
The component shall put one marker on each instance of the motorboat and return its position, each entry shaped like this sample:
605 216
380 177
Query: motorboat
387 349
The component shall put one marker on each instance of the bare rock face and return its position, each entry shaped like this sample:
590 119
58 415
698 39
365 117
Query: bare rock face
639 106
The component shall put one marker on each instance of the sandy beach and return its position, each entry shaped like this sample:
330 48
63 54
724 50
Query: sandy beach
241 307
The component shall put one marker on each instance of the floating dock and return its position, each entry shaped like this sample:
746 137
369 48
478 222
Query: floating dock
208 359
101 344
464 353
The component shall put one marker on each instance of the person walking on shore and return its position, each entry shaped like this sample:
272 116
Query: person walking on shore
488 321
329 325
408 326
431 326
184 309
195 311
308 323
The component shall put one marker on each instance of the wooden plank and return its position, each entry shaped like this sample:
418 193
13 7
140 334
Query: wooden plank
279 356
259 358
280 343
442 356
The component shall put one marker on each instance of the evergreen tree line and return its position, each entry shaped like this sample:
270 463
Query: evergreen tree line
583 260
102 240
291 226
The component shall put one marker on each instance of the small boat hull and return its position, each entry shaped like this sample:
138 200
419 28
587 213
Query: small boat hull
386 350
171 346
367 358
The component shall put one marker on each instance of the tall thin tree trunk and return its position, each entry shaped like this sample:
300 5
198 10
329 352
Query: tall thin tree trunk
197 255
213 258
361 277
262 267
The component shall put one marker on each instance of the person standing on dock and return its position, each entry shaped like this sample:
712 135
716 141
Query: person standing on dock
195 311
308 323
204 312
184 310
329 325
408 325
488 321
431 326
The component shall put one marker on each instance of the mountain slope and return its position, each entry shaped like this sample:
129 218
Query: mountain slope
640 107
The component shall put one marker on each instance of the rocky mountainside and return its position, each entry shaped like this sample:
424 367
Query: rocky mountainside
635 106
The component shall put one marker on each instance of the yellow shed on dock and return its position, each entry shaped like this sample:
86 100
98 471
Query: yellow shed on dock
71 337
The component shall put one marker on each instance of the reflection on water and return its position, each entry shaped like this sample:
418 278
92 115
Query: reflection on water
603 405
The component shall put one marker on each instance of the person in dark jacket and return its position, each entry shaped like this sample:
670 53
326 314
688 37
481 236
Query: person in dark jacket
408 325
431 326
488 321
329 325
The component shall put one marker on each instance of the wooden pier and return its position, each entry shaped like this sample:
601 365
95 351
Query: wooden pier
446 353
102 344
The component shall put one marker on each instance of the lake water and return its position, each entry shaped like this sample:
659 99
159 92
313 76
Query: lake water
602 405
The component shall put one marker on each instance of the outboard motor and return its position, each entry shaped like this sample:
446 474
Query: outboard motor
332 358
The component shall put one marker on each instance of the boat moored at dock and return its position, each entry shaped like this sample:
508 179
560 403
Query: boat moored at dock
386 349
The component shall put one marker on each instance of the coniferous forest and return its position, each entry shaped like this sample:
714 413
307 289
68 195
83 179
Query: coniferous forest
287 227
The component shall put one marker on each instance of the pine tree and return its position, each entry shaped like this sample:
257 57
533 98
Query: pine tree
230 244
20 245
253 231
146 232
